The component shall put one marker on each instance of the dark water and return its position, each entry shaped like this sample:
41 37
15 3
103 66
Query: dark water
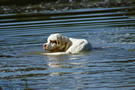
110 68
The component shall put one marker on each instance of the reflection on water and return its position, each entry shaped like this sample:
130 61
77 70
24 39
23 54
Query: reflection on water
111 66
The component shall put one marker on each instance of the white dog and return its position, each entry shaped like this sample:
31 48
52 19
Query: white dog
60 45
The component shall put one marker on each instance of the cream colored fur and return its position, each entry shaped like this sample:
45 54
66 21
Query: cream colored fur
61 45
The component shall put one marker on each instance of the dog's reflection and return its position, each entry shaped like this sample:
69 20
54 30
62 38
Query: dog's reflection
60 65
56 61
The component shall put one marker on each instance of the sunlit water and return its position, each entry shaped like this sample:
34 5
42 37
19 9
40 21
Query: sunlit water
112 66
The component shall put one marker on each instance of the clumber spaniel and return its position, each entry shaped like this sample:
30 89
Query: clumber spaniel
59 45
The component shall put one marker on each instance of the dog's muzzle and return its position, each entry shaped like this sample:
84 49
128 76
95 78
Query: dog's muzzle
44 46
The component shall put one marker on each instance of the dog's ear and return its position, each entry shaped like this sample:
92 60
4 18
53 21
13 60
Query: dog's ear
61 42
57 42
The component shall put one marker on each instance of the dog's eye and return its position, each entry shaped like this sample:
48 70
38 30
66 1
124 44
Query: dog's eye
53 42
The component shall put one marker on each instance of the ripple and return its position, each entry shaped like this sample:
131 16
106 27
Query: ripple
110 66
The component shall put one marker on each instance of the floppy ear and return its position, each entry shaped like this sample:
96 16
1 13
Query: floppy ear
61 42
57 42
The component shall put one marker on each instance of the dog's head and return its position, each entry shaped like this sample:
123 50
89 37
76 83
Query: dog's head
56 42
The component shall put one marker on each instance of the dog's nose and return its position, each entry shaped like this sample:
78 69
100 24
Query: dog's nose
44 45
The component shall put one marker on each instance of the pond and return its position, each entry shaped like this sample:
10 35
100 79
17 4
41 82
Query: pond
111 67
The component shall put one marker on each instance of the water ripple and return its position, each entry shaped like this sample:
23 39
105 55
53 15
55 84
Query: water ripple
109 66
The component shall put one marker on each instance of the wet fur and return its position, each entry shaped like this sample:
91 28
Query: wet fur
61 45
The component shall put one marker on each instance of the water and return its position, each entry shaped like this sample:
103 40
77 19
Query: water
111 67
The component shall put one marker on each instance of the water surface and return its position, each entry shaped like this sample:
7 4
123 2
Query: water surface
111 67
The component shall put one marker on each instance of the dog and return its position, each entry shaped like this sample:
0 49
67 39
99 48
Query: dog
59 45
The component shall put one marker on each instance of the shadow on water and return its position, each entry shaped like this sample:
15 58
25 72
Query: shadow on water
111 67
